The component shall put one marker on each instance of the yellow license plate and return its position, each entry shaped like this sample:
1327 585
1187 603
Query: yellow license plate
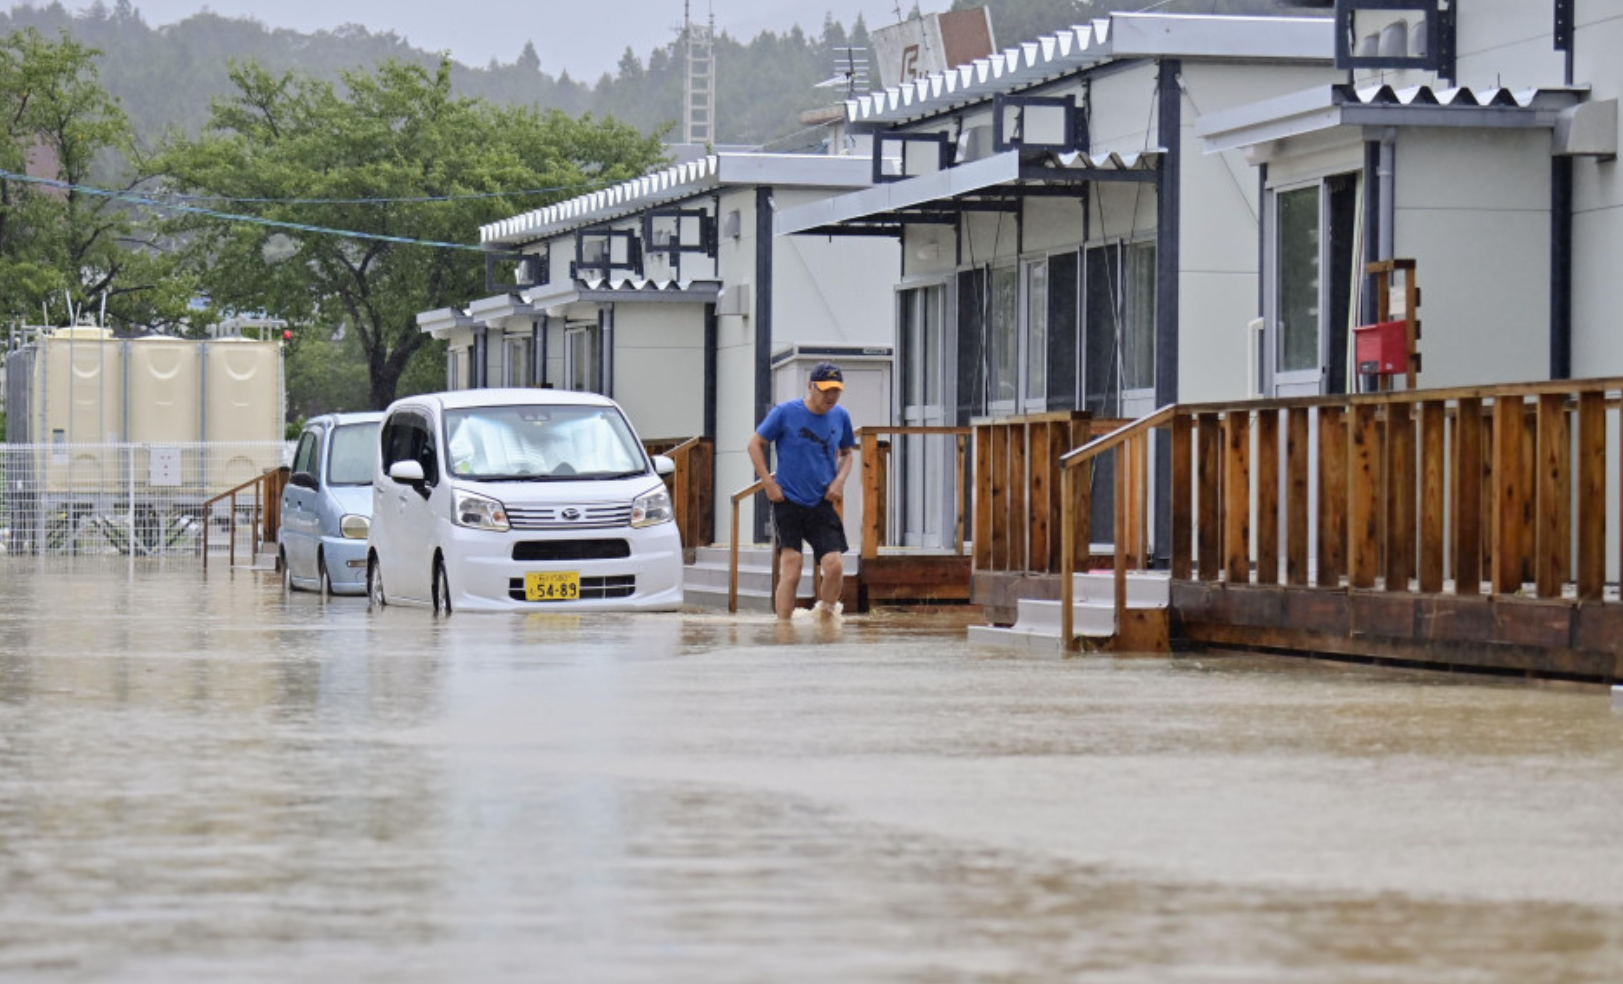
552 585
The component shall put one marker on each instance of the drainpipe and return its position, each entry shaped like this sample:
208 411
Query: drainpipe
1168 205
712 339
1373 190
1561 268
763 331
1384 174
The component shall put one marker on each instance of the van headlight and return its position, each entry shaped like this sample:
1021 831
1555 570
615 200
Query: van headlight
354 526
478 512
651 508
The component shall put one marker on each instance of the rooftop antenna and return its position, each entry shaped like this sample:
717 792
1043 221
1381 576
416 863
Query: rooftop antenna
699 82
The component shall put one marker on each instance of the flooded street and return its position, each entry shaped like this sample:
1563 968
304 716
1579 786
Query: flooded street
203 780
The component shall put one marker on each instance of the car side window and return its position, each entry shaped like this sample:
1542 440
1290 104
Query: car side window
407 437
305 457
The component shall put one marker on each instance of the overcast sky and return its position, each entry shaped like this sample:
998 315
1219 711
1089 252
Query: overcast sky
586 37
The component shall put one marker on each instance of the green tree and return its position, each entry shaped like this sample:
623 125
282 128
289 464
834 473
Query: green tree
63 247
350 205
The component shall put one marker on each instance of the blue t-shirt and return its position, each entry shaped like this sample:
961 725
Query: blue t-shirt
808 448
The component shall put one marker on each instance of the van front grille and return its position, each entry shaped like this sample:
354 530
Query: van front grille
613 586
599 516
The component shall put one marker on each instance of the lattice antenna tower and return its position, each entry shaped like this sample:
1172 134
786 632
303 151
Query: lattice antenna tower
699 82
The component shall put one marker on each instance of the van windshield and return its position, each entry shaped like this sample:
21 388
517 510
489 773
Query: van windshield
541 443
354 446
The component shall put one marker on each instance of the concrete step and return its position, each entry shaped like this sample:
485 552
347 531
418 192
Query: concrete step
705 581
1093 611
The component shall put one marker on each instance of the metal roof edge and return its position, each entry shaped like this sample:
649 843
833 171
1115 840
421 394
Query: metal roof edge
1223 36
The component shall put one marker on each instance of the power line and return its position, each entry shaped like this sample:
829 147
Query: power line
135 199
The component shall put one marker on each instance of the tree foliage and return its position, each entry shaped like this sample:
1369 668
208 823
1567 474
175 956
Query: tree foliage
389 155
64 249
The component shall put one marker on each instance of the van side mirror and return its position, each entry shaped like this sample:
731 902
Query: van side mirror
664 465
302 479
407 472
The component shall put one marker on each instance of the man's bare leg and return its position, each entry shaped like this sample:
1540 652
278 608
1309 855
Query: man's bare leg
789 562
833 586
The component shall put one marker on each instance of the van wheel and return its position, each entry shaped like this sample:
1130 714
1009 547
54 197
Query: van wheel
442 588
326 578
287 572
374 584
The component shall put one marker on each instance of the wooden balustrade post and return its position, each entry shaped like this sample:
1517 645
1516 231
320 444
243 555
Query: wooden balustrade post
1237 497
1400 496
1512 500
1553 528
1591 504
1297 454
1209 471
1467 496
1334 489
1433 492
1363 495
1183 518
1067 558
1267 468
872 500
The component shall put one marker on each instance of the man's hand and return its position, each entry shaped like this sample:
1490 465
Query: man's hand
773 490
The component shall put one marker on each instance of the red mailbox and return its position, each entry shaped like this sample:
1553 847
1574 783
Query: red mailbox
1382 349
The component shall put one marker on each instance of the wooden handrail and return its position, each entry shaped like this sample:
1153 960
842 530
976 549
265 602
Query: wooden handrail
732 546
267 488
874 503
1070 462
691 486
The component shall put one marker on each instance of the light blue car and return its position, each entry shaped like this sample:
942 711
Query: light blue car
327 504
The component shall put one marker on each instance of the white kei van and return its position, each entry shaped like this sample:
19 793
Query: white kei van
519 499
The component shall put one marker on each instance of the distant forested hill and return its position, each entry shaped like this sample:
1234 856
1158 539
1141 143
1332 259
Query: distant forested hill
165 77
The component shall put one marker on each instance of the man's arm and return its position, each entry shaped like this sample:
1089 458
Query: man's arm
836 488
757 453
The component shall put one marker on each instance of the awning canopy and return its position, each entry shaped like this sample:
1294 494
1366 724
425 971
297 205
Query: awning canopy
1259 127
553 298
996 183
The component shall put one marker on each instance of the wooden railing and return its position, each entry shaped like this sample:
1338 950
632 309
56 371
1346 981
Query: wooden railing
732 545
1130 444
266 512
692 486
1018 497
876 481
1499 490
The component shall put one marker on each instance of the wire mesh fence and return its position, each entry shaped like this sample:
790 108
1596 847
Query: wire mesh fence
127 498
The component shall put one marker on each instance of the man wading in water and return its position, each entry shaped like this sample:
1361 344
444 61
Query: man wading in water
813 437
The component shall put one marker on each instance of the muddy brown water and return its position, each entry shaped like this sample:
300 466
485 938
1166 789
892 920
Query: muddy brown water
204 780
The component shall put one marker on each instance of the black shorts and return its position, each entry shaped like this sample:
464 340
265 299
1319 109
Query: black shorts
818 525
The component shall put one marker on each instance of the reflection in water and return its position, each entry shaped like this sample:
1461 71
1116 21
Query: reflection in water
203 780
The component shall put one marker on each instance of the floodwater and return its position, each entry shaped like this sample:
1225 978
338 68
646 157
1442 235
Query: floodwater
204 780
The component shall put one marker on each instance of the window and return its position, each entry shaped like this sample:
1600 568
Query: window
1297 300
541 442
1037 334
349 462
921 347
406 437
582 359
1119 324
1003 343
1139 298
519 362
304 457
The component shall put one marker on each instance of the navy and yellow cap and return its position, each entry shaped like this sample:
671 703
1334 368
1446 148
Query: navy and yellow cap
827 376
